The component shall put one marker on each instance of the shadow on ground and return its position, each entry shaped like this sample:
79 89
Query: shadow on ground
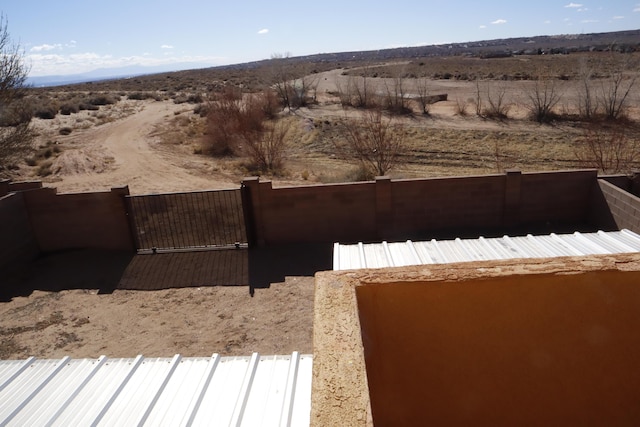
107 271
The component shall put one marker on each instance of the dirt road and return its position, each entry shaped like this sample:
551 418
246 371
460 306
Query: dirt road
126 152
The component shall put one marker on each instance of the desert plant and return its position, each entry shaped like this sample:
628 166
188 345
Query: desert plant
15 114
543 96
423 98
374 141
615 90
294 87
587 100
267 147
396 100
608 148
461 107
497 107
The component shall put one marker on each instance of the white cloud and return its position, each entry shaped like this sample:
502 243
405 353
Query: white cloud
547 22
58 64
499 21
589 21
166 46
618 17
263 31
574 5
46 47
637 9
482 27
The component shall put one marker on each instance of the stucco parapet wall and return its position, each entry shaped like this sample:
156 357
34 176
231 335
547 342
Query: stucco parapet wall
340 393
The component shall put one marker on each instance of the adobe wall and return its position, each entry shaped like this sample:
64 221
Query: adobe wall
79 220
421 208
17 242
493 343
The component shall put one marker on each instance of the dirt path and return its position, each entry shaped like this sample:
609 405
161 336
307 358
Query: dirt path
126 152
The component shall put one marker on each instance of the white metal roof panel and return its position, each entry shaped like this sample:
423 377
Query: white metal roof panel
376 255
255 390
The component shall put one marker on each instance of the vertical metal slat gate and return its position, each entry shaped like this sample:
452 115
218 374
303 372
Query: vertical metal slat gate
187 221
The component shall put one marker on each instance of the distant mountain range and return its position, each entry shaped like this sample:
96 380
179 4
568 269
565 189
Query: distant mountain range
110 74
622 41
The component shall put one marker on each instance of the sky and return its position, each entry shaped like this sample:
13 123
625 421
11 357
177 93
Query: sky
61 37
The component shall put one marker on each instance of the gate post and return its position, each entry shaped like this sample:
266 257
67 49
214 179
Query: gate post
250 191
123 193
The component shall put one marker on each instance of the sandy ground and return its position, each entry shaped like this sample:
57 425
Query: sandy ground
190 321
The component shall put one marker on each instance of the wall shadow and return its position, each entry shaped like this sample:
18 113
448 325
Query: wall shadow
110 270
74 269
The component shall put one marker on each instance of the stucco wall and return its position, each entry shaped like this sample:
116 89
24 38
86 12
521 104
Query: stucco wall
513 342
79 220
17 242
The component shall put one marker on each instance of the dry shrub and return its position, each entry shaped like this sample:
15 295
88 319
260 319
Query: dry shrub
240 125
608 148
374 141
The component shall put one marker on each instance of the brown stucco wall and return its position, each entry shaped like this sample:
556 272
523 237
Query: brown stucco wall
17 242
79 220
532 342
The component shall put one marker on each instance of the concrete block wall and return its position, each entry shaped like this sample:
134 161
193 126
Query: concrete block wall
421 206
79 221
623 207
311 213
17 241
408 209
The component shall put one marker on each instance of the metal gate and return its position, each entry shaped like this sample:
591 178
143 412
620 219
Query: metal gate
187 221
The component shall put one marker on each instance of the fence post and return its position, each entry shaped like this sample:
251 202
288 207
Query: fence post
384 208
512 194
123 193
252 211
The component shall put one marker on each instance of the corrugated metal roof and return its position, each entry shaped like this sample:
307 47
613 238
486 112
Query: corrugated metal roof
380 255
189 391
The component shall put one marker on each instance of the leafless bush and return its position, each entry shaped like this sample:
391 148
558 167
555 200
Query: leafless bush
615 92
358 91
396 100
240 124
423 98
267 148
374 141
543 96
587 100
608 148
294 91
497 107
461 107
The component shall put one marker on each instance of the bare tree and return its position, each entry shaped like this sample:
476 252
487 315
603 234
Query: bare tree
15 114
543 96
374 141
292 81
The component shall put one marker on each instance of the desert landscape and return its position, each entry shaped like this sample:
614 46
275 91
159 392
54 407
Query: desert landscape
152 136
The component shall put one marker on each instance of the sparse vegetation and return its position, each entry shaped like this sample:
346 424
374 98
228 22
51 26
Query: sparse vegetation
374 141
608 148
